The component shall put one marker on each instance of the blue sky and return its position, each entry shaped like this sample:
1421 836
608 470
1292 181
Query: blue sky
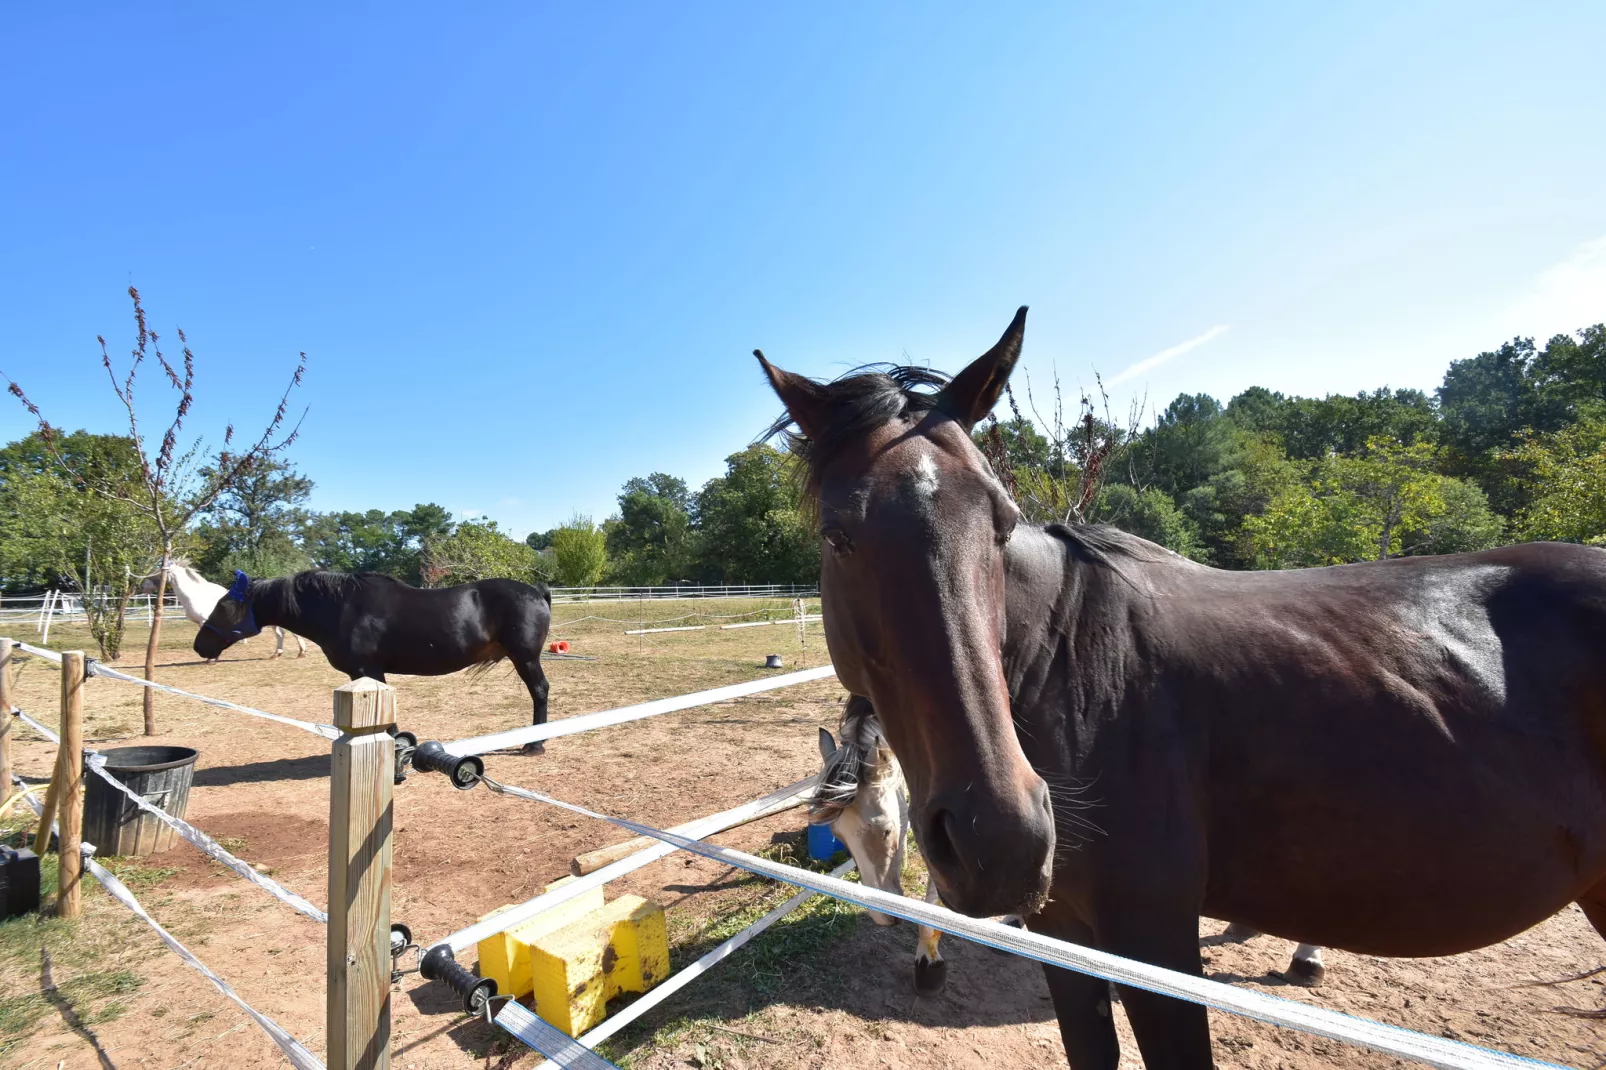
529 247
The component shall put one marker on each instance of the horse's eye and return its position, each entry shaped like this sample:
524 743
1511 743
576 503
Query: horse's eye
841 545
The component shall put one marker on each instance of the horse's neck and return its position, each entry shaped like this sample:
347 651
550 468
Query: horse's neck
274 606
197 595
1044 590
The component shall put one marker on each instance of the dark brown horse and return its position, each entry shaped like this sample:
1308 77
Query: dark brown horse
369 624
1401 758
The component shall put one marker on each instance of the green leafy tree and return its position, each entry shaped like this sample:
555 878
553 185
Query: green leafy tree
752 530
375 541
1568 471
1190 442
580 553
1385 503
257 524
1221 505
1151 514
478 550
651 542
55 529
1313 428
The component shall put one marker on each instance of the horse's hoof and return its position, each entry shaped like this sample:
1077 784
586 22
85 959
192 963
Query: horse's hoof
1014 921
930 976
1305 972
537 747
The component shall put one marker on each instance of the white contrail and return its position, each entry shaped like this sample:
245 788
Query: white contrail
1166 354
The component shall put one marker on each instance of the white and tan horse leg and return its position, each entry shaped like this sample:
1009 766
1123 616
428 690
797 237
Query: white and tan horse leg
931 971
1305 968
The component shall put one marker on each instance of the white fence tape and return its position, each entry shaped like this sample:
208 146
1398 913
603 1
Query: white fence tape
200 840
589 721
681 978
96 668
766 623
1379 1036
299 1057
558 1046
776 800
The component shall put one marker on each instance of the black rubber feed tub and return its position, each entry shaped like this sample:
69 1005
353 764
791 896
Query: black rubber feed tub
160 775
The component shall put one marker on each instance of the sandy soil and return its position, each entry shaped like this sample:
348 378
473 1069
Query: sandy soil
828 991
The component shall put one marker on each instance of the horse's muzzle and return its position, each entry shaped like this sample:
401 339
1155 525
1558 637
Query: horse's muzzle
991 854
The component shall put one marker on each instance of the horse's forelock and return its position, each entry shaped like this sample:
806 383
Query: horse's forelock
858 401
862 757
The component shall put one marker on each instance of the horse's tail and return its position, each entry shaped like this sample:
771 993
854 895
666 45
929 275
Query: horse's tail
480 668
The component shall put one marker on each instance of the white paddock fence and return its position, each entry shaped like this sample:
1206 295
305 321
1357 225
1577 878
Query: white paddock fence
648 594
359 927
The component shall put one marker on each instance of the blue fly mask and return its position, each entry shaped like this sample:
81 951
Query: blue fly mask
239 591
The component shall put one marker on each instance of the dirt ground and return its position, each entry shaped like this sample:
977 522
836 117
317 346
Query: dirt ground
826 989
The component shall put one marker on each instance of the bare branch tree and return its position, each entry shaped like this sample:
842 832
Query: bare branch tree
1082 453
172 488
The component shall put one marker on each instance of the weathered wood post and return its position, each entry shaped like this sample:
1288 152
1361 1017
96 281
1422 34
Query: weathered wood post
69 782
360 784
5 719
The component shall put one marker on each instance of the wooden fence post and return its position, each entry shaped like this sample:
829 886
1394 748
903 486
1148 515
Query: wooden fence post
69 777
5 719
360 783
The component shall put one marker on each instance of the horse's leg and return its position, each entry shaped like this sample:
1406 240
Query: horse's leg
1081 1003
301 646
529 670
278 642
931 972
1172 1034
1306 967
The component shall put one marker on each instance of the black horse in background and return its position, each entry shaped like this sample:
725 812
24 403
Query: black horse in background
368 624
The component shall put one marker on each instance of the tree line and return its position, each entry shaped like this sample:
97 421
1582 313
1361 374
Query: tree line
742 527
1510 447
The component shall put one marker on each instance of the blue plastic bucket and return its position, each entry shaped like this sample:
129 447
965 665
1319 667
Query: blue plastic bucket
823 844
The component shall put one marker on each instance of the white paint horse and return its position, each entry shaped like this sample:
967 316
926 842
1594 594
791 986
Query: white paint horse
861 795
199 596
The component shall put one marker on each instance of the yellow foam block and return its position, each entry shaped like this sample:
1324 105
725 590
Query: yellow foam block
576 970
505 957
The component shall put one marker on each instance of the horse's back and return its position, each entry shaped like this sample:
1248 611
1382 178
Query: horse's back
1342 718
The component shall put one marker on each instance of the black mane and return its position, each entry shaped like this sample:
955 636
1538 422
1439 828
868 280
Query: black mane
863 398
319 584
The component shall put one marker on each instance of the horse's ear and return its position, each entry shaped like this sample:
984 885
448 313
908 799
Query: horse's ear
803 397
973 392
827 745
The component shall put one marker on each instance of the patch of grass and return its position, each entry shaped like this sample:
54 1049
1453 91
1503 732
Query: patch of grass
19 1013
136 873
771 962
777 955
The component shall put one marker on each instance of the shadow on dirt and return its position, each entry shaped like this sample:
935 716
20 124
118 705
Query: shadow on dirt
312 767
69 1013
